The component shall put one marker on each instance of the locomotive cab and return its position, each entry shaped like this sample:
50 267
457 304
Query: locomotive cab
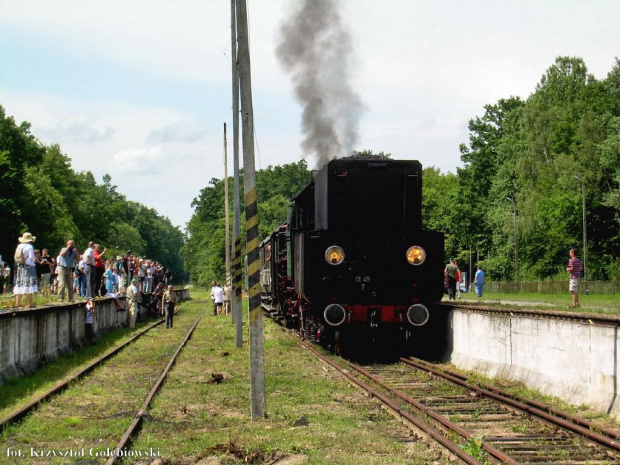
353 255
362 260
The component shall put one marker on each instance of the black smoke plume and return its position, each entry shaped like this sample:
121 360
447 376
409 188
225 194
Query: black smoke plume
315 48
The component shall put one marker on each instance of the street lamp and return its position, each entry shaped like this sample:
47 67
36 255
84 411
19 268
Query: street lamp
585 238
514 204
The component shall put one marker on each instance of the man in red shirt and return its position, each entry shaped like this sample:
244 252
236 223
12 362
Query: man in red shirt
99 268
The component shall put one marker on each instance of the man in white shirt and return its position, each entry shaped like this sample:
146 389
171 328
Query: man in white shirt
133 296
89 268
217 293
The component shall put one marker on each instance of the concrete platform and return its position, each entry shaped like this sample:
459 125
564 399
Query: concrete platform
31 338
573 358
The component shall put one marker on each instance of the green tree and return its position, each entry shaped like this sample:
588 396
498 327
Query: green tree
18 150
204 253
40 192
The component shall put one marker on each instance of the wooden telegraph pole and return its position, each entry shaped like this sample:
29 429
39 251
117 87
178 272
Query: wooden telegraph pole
226 219
257 367
237 313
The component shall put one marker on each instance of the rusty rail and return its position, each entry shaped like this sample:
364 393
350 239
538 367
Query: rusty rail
544 407
611 443
136 424
431 432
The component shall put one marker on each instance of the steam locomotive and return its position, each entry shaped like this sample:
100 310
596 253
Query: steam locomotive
352 262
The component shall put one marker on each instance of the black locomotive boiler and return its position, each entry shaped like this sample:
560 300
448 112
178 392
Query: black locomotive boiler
352 262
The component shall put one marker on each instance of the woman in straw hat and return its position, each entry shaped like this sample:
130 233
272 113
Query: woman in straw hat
26 282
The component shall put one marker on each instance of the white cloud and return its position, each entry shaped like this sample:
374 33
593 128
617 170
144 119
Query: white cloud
137 33
77 129
418 138
140 160
180 131
139 167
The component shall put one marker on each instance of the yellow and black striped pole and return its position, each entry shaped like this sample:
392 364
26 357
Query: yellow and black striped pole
257 367
236 301
253 241
237 287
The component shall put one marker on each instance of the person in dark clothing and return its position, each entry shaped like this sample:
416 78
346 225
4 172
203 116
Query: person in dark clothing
46 264
451 272
169 302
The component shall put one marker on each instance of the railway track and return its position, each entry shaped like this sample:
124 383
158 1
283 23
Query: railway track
95 417
476 424
32 405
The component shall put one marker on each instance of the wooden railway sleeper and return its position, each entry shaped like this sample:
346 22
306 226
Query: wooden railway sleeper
601 439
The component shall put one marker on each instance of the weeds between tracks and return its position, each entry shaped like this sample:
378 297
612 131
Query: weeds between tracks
19 391
95 411
203 409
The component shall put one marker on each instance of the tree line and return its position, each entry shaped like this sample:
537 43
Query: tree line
520 188
42 194
204 251
517 190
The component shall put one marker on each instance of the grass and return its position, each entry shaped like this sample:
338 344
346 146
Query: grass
473 447
17 392
95 411
7 301
194 418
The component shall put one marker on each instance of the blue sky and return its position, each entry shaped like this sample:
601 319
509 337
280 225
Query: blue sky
140 89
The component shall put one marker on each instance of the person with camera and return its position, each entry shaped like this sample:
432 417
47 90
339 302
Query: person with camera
66 263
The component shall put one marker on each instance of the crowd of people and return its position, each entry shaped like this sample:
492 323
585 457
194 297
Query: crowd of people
89 274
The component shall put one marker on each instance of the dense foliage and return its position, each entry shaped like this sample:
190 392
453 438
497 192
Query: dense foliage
204 252
519 179
42 194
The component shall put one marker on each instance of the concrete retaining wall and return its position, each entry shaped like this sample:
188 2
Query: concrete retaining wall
576 360
31 338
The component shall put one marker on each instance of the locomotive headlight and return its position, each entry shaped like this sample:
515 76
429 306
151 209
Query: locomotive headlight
416 255
334 255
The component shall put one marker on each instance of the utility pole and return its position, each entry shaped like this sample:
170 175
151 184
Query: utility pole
257 366
585 236
237 312
226 219
514 204
470 268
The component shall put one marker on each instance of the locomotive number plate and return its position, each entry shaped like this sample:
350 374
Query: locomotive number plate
362 281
